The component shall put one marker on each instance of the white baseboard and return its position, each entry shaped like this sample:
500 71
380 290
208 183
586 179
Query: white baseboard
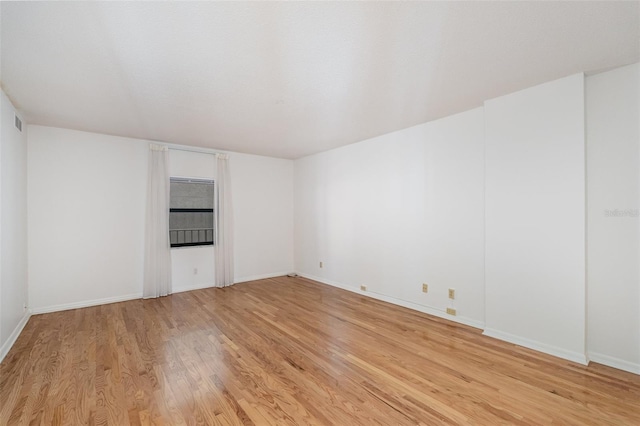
618 363
107 300
180 289
85 304
184 288
4 350
260 277
578 357
436 312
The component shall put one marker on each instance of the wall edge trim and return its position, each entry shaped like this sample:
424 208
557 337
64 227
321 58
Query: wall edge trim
85 304
260 277
429 310
614 362
183 288
577 357
13 337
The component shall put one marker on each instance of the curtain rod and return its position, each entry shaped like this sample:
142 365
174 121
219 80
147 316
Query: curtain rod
193 149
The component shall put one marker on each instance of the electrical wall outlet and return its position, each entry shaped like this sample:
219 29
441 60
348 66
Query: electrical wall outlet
195 271
451 311
452 293
425 288
321 264
363 287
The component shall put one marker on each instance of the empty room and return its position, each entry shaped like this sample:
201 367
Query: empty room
320 213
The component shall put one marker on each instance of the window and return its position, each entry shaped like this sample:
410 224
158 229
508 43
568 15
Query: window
191 212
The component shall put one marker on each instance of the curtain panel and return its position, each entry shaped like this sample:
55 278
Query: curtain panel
157 253
223 247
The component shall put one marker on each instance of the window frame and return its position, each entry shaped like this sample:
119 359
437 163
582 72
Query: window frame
206 181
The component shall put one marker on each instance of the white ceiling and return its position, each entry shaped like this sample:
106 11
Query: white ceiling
292 79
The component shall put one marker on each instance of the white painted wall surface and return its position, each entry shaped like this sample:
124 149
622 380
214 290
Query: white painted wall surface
87 198
613 184
535 218
13 227
396 211
262 192
87 195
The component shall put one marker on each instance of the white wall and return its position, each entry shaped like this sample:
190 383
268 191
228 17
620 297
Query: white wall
396 211
87 195
262 192
613 183
535 218
13 227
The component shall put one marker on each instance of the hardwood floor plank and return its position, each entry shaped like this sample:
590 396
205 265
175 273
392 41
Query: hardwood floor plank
291 351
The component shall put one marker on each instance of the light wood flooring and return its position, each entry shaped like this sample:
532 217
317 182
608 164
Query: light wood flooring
289 351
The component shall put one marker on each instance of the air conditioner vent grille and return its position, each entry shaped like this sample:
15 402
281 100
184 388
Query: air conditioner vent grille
18 123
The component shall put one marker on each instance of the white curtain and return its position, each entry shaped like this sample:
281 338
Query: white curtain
157 253
224 223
